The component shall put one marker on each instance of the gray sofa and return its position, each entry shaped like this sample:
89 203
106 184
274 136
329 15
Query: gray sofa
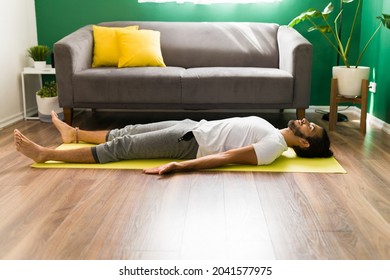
213 65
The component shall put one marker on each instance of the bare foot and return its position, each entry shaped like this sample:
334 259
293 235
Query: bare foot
28 147
67 132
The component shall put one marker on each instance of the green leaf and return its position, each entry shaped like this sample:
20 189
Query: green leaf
38 53
328 9
48 90
347 1
295 21
312 13
385 20
322 29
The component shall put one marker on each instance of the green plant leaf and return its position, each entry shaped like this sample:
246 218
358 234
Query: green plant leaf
38 53
311 13
322 29
295 21
322 25
328 9
48 90
302 17
385 20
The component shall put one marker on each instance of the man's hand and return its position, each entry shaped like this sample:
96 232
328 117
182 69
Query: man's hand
163 169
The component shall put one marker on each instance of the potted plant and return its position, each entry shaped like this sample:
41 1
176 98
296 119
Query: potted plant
47 101
39 54
351 74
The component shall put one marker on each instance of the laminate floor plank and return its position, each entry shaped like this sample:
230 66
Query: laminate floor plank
204 234
246 227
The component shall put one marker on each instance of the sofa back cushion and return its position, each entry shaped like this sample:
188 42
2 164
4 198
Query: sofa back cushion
214 44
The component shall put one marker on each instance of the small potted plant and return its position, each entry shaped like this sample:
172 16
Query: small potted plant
39 54
350 75
47 101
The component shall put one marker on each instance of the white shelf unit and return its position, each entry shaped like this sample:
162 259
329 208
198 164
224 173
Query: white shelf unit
31 83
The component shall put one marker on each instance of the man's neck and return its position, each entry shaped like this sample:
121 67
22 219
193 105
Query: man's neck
288 136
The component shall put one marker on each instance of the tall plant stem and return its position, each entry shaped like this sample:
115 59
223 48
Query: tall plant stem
338 39
326 37
367 44
348 45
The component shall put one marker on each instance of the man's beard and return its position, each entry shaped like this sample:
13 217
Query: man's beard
295 129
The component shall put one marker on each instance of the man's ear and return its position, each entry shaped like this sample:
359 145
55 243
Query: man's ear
303 143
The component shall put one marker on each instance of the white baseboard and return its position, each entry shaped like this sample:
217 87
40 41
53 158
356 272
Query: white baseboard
11 120
17 117
355 111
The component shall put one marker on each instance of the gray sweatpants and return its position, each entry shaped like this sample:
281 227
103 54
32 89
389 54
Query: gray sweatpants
142 141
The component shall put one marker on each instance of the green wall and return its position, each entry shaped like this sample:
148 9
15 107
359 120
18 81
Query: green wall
58 18
377 57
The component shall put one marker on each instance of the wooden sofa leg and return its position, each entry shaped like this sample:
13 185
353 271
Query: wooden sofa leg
300 113
68 115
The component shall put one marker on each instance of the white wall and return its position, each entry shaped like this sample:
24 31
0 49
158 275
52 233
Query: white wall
18 32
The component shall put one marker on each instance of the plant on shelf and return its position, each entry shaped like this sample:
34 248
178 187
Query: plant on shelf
48 90
47 101
349 80
39 54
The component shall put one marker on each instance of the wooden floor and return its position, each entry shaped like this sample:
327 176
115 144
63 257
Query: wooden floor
119 214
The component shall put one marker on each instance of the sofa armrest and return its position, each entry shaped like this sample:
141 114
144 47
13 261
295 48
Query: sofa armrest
73 53
295 57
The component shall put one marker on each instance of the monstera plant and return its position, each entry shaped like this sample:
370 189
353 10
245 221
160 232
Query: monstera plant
320 21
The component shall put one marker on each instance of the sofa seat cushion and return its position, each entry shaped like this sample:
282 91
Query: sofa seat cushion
237 85
128 85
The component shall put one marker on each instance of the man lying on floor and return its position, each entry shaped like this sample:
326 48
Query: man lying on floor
206 144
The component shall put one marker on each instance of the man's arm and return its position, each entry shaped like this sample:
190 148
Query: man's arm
244 155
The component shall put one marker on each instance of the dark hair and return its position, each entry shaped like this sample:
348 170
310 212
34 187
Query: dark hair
319 147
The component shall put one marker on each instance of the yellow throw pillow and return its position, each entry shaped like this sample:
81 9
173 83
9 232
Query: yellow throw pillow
106 50
139 48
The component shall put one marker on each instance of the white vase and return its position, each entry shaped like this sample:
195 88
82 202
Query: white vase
349 80
46 105
40 65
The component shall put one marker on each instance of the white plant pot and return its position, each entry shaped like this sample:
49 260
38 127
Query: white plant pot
349 80
46 105
40 65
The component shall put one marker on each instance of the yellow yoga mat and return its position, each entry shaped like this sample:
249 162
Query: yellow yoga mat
287 162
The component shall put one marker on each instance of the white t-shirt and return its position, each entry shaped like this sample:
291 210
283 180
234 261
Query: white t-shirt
223 135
